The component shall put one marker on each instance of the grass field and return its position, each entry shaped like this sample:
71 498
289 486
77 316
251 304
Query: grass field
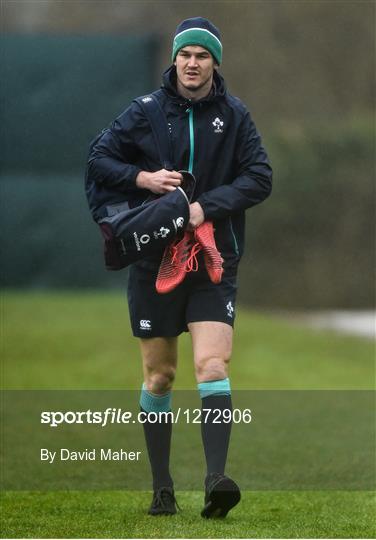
82 341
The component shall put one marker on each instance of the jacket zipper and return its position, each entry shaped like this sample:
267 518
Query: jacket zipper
234 237
190 167
191 139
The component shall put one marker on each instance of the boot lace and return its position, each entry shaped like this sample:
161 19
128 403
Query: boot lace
192 262
189 256
163 498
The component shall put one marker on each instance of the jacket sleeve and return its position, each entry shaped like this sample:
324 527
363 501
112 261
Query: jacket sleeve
253 182
112 155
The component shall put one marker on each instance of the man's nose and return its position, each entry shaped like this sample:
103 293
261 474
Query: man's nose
192 61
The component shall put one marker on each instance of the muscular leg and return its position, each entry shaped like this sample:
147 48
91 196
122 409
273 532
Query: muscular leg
212 347
159 358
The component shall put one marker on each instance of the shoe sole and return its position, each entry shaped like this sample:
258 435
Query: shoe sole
223 496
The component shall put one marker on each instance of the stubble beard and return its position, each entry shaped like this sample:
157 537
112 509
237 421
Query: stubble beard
194 88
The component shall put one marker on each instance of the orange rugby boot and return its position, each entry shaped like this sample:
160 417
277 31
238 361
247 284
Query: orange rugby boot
178 259
204 235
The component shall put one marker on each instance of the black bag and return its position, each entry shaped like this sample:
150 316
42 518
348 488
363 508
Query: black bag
132 234
136 233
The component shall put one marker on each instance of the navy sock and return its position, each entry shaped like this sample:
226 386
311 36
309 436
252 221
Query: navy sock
215 436
158 438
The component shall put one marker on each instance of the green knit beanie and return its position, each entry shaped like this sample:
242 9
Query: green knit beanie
198 31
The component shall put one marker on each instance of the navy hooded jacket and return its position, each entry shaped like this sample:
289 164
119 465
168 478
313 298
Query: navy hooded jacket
215 138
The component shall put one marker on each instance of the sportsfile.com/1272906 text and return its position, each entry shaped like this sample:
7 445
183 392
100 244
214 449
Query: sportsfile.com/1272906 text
113 415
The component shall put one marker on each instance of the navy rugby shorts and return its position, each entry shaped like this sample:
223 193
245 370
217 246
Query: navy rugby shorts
167 315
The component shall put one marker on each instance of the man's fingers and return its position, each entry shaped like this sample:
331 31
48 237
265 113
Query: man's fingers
172 182
174 174
164 181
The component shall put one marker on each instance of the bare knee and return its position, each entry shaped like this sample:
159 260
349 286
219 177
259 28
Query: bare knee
212 368
159 358
159 382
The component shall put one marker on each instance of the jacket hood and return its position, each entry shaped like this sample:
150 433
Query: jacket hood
169 79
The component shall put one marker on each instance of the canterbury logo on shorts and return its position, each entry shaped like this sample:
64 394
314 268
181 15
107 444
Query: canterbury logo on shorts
145 324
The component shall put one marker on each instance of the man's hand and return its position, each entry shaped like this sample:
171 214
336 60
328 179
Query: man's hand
160 181
196 216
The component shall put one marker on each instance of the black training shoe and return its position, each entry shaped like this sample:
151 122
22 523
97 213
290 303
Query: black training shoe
221 494
163 503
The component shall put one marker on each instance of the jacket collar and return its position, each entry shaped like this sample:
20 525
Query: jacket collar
169 86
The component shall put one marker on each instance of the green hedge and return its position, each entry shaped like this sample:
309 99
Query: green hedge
312 243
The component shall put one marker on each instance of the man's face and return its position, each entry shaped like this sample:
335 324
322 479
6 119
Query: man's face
194 67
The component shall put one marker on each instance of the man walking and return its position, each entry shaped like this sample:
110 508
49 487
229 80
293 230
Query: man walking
192 285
